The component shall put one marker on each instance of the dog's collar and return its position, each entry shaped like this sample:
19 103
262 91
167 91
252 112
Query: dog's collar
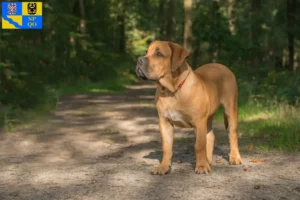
181 84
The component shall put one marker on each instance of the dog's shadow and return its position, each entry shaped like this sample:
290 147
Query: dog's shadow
186 155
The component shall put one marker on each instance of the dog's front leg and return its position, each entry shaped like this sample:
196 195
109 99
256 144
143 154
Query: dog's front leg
202 164
166 131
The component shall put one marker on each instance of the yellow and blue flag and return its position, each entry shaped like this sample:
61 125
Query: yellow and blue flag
22 15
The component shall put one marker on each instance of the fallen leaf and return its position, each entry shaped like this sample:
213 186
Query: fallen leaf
256 160
280 176
179 161
257 187
245 169
250 147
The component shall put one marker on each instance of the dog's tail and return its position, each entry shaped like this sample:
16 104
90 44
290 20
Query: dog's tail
225 121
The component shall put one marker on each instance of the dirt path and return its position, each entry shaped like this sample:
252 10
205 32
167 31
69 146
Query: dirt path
104 146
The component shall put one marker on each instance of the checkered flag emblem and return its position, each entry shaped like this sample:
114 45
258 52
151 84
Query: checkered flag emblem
12 8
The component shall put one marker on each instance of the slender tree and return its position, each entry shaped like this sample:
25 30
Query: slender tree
188 34
161 21
255 30
82 23
121 27
170 15
216 18
231 17
291 23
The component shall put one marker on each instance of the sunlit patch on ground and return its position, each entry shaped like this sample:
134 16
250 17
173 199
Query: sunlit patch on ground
104 145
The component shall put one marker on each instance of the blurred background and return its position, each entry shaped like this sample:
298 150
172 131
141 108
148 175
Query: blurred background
91 46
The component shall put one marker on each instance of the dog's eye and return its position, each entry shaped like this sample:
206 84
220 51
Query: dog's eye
159 54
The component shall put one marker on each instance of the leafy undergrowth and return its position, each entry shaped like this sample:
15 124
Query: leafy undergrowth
15 118
277 125
109 85
270 126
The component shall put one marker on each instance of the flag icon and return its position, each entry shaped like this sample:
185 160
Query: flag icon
22 15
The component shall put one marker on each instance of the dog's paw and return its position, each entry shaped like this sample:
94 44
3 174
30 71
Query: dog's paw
202 169
161 170
235 160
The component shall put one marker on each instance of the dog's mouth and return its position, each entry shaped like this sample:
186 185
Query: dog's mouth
140 73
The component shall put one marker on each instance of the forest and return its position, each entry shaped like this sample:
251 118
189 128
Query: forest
92 46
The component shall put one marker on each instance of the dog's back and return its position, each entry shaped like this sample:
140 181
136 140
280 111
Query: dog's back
215 72
220 76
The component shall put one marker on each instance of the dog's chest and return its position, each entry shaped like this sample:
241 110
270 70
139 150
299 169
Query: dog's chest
174 115
177 118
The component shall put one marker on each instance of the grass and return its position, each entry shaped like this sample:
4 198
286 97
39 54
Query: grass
15 118
279 125
271 126
105 86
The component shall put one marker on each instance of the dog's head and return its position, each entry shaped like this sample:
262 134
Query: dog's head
162 58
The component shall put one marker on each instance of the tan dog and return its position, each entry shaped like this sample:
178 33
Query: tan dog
188 98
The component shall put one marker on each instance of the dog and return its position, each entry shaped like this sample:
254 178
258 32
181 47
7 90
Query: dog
189 98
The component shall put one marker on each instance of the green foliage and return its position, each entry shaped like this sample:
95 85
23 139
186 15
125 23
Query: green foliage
280 86
274 126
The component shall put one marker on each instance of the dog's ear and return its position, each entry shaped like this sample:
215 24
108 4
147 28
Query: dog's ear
179 54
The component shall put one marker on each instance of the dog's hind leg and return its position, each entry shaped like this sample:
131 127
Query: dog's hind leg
210 140
231 114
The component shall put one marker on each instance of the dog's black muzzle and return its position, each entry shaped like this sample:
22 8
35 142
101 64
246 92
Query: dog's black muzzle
141 68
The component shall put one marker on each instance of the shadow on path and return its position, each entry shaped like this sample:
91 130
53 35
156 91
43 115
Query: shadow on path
103 146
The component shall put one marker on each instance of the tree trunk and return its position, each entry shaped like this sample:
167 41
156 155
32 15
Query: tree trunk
121 27
188 34
195 56
216 17
82 23
122 37
161 20
170 14
231 16
279 60
2 129
255 30
291 19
